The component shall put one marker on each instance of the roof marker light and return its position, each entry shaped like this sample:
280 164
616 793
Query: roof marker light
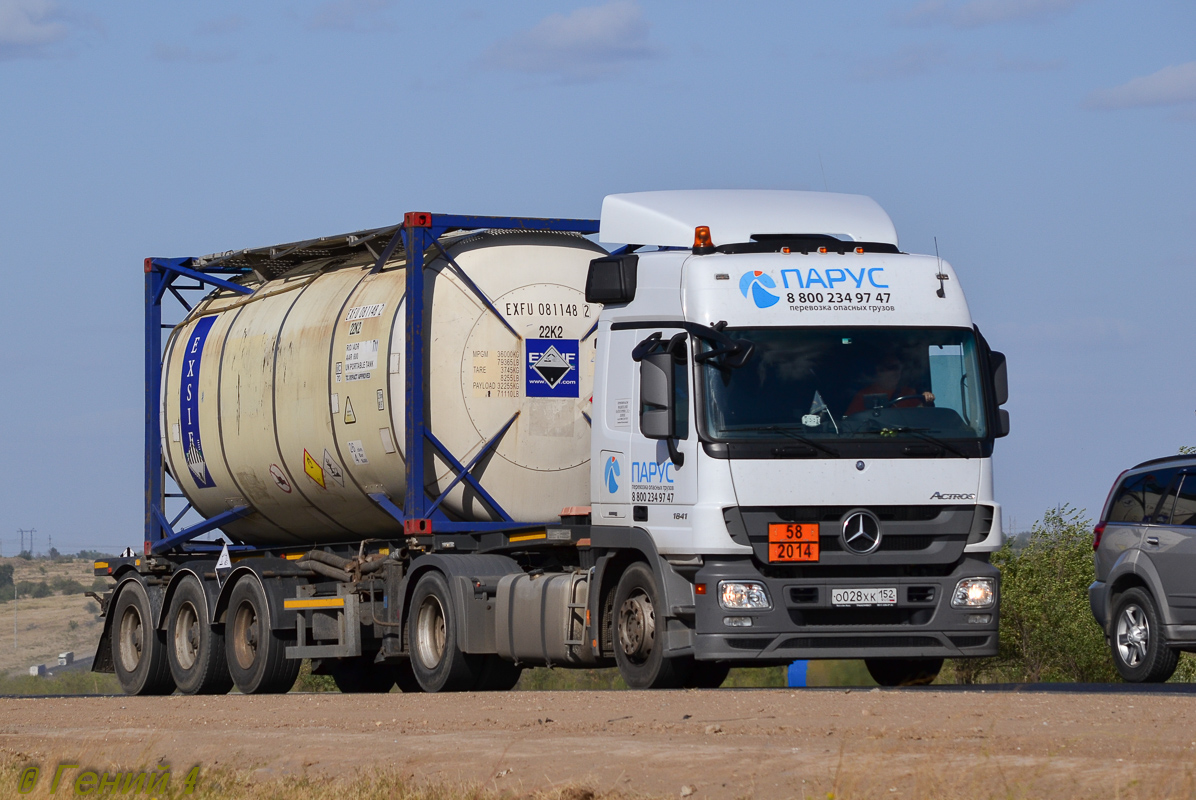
821 249
860 250
785 250
702 242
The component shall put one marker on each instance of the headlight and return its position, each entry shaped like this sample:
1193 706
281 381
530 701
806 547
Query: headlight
740 595
974 593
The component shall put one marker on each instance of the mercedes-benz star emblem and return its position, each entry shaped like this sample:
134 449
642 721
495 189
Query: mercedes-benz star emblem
861 532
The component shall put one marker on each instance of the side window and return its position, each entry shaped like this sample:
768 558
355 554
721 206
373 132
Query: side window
681 391
1128 504
1184 512
1153 489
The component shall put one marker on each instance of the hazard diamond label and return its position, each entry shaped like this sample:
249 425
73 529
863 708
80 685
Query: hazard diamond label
313 469
552 368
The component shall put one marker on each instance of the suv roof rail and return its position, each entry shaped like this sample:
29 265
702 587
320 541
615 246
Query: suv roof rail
1166 460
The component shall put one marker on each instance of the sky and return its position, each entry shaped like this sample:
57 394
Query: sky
1048 145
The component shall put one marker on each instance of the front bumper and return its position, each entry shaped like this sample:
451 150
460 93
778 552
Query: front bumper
803 624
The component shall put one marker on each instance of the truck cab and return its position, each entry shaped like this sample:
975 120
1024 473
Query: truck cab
801 417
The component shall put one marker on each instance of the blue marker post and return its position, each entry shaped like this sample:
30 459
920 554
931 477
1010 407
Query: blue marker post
797 673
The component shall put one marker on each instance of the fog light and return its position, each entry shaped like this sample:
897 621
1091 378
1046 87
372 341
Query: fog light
974 593
737 622
980 619
737 595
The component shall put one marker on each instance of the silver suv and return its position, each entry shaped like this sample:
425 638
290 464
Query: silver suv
1144 596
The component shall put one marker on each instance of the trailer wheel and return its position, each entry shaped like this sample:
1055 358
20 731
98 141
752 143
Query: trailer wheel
497 675
195 652
361 675
903 671
437 661
639 649
256 654
138 649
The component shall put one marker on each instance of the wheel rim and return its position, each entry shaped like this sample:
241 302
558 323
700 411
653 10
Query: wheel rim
186 636
245 635
430 633
132 638
1133 635
637 627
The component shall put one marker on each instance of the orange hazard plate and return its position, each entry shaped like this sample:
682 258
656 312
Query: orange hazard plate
793 542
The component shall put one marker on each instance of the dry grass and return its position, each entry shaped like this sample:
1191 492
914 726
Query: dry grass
941 776
43 625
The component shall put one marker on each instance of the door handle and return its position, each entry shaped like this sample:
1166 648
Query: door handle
1154 540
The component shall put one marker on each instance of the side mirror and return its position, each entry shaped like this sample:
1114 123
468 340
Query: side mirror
1002 423
612 279
657 396
1000 377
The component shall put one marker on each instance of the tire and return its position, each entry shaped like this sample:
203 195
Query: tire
194 651
436 659
639 651
904 671
256 654
138 649
1139 651
707 675
361 675
497 675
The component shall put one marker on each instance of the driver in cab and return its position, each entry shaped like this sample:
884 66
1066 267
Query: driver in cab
889 389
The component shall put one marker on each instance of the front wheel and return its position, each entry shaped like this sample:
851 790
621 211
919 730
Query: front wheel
707 675
1139 652
138 648
639 634
904 671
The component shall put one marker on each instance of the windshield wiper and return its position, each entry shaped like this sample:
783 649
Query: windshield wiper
926 437
799 438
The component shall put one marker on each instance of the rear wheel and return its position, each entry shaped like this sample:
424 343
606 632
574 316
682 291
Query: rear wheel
903 671
639 634
255 653
138 649
195 652
436 659
1139 652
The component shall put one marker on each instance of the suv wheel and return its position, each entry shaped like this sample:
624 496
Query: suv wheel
1139 652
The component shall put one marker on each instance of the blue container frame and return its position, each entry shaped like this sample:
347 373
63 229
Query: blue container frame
421 513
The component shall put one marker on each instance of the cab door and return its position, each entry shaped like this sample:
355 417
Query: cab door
1169 542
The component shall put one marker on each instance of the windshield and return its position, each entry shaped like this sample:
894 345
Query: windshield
847 383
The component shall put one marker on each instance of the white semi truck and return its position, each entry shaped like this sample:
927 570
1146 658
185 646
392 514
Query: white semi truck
756 432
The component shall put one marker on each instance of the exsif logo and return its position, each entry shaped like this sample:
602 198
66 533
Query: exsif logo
941 496
610 473
757 284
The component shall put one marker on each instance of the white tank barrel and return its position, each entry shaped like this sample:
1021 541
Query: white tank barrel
291 400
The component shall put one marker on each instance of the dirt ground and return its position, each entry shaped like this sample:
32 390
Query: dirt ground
721 743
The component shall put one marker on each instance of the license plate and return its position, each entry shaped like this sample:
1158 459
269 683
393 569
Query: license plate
789 542
864 597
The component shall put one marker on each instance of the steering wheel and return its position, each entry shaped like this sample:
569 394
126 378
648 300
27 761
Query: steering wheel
920 398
